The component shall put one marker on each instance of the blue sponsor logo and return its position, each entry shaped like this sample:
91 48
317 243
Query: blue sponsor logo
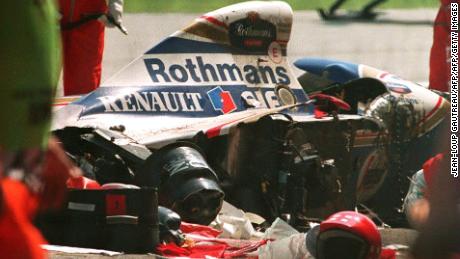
398 88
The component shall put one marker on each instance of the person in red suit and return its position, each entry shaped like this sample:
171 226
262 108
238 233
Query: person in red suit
82 30
29 45
34 169
440 50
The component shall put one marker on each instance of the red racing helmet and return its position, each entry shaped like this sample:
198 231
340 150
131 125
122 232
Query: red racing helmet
348 234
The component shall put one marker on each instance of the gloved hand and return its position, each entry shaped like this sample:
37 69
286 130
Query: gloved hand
113 18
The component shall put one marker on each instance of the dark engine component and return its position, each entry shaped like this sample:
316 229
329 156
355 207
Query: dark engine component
187 183
301 169
104 155
169 222
288 170
118 218
309 180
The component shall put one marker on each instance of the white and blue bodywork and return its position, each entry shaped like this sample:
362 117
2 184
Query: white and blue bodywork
224 83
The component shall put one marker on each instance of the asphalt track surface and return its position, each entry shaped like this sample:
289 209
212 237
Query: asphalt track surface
399 41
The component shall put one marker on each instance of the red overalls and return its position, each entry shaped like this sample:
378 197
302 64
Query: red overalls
83 44
19 238
440 50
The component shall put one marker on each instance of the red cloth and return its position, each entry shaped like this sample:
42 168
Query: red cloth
18 236
439 55
200 230
206 243
197 251
213 247
82 46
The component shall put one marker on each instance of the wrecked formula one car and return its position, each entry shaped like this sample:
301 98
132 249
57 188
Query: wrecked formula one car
215 111
414 118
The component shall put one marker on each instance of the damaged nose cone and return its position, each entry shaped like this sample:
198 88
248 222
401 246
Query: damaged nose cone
187 184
